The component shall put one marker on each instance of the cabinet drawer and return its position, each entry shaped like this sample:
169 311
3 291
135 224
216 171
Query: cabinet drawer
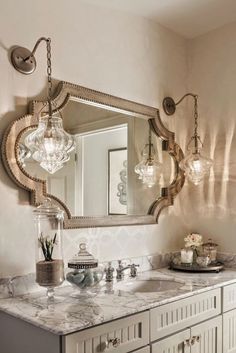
132 331
174 343
229 297
176 316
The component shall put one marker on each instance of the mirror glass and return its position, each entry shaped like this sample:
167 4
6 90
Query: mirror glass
100 178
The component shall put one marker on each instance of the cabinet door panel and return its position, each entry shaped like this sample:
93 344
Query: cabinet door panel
229 297
210 336
173 344
229 332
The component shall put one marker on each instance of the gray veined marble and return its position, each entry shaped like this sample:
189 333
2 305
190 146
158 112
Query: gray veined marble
71 313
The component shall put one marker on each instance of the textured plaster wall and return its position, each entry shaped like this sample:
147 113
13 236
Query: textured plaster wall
211 208
106 50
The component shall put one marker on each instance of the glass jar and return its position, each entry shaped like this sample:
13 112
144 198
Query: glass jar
86 273
49 257
210 249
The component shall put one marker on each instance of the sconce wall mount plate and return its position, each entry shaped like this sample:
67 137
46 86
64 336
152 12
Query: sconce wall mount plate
23 60
169 105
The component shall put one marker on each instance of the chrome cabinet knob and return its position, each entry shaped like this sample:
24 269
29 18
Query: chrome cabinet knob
196 339
191 341
187 342
113 342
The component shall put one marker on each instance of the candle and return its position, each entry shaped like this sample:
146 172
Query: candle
186 256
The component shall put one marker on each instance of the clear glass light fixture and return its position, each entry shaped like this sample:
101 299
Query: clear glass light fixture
50 145
148 169
195 165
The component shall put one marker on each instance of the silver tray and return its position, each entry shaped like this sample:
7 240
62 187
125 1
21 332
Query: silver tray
216 267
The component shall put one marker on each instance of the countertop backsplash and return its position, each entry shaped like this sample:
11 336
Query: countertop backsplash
19 285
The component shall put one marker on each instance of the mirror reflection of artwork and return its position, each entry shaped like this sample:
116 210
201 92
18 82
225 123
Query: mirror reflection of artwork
122 186
117 181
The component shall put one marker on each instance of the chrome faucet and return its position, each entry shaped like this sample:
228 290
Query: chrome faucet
109 272
133 270
120 270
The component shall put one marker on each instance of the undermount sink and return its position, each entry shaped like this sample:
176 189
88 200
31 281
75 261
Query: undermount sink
148 285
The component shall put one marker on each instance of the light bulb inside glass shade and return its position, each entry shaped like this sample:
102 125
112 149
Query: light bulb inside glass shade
148 169
150 173
50 144
196 167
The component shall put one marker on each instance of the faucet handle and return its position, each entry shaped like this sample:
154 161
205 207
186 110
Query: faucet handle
109 272
133 270
120 264
119 270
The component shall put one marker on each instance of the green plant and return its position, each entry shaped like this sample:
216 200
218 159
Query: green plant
47 245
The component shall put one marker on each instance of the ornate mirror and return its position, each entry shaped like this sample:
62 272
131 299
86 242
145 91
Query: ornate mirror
101 184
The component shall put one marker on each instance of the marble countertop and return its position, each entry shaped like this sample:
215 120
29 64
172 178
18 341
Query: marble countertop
70 312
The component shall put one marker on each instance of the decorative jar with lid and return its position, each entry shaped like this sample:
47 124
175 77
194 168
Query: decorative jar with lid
86 273
49 258
210 249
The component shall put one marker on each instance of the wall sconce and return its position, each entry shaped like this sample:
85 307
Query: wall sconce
195 165
148 168
49 144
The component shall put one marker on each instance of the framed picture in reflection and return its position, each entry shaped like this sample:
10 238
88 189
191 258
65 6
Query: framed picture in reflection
117 181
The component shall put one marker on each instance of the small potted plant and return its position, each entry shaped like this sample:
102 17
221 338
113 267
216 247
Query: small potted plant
49 260
50 271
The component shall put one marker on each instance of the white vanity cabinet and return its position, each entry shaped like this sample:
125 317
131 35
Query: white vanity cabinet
189 325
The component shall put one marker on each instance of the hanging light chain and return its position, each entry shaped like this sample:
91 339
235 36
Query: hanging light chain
49 68
196 116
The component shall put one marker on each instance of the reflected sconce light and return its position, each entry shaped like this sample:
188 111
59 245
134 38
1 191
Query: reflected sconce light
49 145
195 165
148 168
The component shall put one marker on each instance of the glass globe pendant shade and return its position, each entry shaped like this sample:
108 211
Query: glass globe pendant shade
139 169
148 168
50 144
196 167
150 173
140 166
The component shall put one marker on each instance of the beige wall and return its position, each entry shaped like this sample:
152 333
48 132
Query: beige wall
211 209
105 50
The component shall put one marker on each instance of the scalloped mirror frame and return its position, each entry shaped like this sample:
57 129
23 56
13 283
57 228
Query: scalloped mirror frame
38 187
